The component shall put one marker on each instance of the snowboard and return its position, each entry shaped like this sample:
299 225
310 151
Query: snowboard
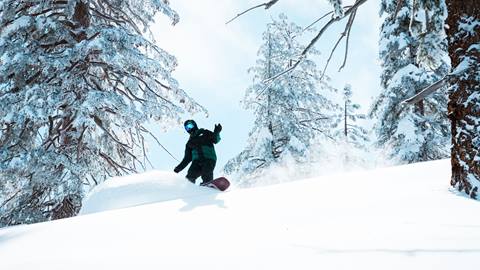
220 183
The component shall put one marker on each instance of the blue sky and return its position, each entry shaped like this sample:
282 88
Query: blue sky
213 59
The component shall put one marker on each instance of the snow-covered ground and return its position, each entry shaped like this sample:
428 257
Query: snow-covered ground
395 218
135 190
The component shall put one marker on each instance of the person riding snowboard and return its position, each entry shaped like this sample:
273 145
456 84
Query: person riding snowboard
200 151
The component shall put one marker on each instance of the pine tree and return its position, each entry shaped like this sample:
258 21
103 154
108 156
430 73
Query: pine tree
78 81
350 131
289 111
412 51
351 138
464 102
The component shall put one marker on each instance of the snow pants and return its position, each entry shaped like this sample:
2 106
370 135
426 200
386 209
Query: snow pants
203 168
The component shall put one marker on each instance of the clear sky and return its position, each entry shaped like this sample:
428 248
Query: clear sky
213 59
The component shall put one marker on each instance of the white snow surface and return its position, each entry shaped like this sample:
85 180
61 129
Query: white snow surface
134 190
394 218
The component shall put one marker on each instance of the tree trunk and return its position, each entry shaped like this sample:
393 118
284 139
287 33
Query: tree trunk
464 104
345 129
69 207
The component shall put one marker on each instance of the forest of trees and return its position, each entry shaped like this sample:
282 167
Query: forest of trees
80 78
415 36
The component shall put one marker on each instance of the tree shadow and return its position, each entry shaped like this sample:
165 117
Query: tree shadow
462 194
204 200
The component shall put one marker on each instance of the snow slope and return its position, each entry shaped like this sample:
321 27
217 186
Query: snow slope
395 218
139 189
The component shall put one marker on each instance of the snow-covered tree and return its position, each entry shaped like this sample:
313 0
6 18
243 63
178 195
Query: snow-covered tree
351 132
78 81
351 138
290 113
464 103
412 53
425 42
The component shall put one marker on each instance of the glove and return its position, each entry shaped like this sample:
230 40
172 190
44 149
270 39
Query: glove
218 128
176 170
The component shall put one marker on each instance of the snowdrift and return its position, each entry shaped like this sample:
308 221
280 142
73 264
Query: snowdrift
139 189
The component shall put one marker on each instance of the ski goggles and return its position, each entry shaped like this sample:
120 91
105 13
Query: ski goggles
189 127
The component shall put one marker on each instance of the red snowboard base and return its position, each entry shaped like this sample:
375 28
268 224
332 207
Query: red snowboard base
220 183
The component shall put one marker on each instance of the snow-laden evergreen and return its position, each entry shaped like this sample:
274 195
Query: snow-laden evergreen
413 56
352 138
432 50
78 81
291 111
350 130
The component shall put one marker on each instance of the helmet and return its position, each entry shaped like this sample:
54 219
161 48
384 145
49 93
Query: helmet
190 125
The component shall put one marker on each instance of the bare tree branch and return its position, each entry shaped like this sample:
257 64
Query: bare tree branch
315 39
331 54
348 26
347 41
316 21
158 142
319 19
267 5
325 27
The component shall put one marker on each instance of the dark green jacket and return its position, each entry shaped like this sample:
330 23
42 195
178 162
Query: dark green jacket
200 147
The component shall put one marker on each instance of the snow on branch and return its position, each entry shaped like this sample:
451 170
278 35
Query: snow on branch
459 70
427 91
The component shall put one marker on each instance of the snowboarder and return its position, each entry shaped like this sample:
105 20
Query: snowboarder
200 151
